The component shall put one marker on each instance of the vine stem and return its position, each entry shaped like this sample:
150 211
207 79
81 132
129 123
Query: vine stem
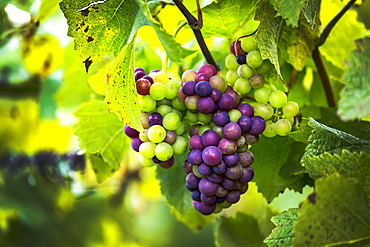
196 25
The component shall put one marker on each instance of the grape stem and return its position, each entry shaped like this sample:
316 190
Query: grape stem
127 177
244 36
196 25
271 85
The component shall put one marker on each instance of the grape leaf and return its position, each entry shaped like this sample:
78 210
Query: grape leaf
353 166
101 132
326 139
268 32
354 102
281 168
289 10
311 10
224 18
282 235
102 170
335 214
243 230
47 7
193 219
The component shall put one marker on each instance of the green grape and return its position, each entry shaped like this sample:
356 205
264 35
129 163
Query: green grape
192 117
160 77
158 91
290 109
231 77
163 102
171 89
180 146
176 103
291 120
245 71
270 129
164 110
242 86
218 82
283 127
163 151
248 44
147 103
265 67
179 113
144 136
191 102
156 133
261 95
278 99
254 59
145 161
264 110
196 172
183 128
234 115
147 149
203 128
212 125
204 118
230 62
171 121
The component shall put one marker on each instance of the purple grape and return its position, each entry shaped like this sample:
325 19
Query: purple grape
241 187
203 208
212 155
208 200
247 175
143 86
241 59
138 69
139 74
215 95
203 89
181 96
231 159
156 160
245 123
210 138
257 81
221 191
232 131
246 109
148 78
208 69
228 184
220 200
204 169
238 47
171 137
195 195
187 167
258 125
195 157
155 70
234 172
201 77
246 158
188 88
194 129
205 105
135 143
155 119
226 102
207 187
191 102
215 178
131 132
192 181
240 142
168 163
227 146
219 168
221 118
230 91
251 139
233 196
195 142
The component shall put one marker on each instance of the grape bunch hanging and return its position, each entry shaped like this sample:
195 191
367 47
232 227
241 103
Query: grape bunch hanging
207 116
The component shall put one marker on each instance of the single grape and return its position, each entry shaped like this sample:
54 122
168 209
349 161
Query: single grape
241 59
192 181
172 87
144 136
144 120
191 102
179 113
290 109
234 115
171 121
208 200
270 129
278 99
246 158
201 77
221 192
161 77
218 82
203 128
187 167
196 172
203 89
221 118
215 178
251 139
234 172
235 48
261 95
180 146
227 146
135 143
245 123
248 44
265 67
254 59
230 91
204 169
204 118
210 138
203 208
264 110
188 75
230 62
219 168
178 105
163 110
167 163
156 133
244 71
139 74
241 187
143 86
170 137
231 77
258 125
215 95
163 102
228 184
183 128
242 86
158 91
145 161
155 119
194 129
247 175
195 142
242 148
226 102
232 131
233 196
148 78
181 96
208 69
131 132
257 81
206 187
192 117
163 151
218 130
195 157
283 127
205 105
188 88
240 142
231 159
147 103
147 149
246 109
211 155
195 195
138 68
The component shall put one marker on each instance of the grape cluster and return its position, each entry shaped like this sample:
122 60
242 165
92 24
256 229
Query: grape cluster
162 119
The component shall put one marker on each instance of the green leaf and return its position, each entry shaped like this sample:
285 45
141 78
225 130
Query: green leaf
122 96
297 43
145 57
282 235
102 27
47 7
268 32
224 18
102 170
352 166
280 169
193 219
243 230
311 10
303 133
289 10
325 139
354 100
101 132
335 215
